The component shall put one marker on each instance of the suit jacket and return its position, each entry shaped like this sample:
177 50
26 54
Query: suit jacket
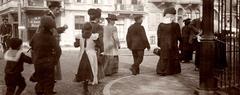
5 29
136 37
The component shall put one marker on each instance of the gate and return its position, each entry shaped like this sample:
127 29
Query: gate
226 28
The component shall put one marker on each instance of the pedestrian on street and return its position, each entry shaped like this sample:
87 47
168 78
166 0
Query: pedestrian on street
95 15
111 46
88 66
196 25
5 34
45 55
15 58
137 41
168 36
54 11
186 45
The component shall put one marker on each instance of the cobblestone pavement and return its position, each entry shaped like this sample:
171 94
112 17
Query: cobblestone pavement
185 82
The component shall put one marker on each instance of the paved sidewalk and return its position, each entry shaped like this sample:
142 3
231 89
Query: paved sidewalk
122 83
149 83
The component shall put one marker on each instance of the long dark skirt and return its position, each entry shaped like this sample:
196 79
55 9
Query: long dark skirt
168 65
84 70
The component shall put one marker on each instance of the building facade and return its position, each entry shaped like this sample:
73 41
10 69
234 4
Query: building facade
74 14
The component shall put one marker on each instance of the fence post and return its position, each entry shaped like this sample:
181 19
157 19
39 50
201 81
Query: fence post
207 83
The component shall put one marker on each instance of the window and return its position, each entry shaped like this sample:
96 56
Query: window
79 21
95 1
79 1
134 1
119 1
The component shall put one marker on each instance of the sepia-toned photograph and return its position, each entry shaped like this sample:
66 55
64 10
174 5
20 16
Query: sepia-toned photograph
119 47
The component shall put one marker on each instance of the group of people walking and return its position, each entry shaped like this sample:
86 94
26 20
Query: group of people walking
98 51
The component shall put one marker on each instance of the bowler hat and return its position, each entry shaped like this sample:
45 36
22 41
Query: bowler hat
15 43
112 17
54 4
170 10
137 17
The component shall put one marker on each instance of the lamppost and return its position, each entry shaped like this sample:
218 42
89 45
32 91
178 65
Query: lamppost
19 19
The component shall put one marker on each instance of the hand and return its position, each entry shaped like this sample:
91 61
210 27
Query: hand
148 48
65 26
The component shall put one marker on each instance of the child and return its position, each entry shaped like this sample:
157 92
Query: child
88 66
15 58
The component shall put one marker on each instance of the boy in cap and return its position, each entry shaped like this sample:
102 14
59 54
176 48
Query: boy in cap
15 58
137 41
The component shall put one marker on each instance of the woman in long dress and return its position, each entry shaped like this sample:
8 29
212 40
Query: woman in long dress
111 46
168 37
88 66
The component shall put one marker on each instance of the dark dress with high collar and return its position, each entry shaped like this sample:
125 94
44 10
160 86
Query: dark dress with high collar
168 37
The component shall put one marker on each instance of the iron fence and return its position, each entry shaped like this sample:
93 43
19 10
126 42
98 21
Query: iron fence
226 28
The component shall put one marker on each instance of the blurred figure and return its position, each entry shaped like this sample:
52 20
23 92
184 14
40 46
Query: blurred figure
186 45
196 36
88 66
45 56
168 36
15 58
137 41
5 33
111 46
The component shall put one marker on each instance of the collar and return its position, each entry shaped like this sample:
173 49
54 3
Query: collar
51 13
13 55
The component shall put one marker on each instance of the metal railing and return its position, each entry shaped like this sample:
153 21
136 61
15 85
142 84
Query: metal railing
227 29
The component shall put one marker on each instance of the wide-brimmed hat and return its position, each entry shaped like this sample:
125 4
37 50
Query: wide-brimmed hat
170 10
54 4
137 17
94 13
112 17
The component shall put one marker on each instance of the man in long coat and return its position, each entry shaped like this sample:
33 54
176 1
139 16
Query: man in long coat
53 12
45 55
5 33
137 41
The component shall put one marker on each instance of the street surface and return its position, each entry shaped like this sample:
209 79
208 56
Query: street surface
122 83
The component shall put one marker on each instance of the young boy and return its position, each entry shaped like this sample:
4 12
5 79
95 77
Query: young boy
15 58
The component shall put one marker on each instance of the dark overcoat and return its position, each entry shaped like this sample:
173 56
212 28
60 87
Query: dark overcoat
168 37
45 49
136 37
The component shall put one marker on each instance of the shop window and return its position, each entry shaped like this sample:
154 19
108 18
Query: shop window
96 1
152 39
79 21
79 1
35 2
135 2
119 1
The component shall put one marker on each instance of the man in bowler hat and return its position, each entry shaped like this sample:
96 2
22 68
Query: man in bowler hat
5 33
137 41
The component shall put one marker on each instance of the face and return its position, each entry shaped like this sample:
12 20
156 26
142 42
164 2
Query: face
140 20
112 22
56 11
5 21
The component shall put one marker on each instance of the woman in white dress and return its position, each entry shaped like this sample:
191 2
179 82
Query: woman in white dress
111 46
88 66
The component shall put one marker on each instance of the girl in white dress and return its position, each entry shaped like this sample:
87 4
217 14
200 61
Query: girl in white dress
88 66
